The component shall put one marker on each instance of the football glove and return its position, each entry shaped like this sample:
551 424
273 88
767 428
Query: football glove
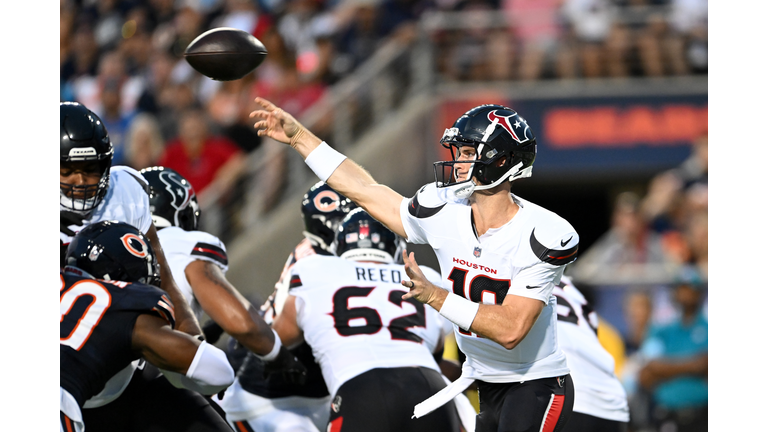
287 365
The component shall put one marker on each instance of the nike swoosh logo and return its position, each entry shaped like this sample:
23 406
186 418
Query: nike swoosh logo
532 287
563 243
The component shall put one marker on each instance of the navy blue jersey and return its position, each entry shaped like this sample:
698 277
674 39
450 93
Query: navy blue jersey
97 320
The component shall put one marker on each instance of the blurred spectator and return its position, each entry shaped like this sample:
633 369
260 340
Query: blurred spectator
468 59
678 198
244 15
112 67
144 143
83 54
688 21
212 164
358 36
229 108
115 119
292 93
307 30
535 26
677 366
628 251
592 23
638 309
108 28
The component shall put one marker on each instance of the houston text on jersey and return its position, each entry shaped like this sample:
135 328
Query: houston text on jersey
474 265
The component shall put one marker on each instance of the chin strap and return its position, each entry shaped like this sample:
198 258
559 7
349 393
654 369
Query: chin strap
464 190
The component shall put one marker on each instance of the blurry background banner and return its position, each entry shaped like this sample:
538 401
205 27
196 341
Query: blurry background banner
605 136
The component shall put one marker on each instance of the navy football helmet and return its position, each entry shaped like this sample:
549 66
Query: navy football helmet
172 199
360 237
83 139
322 208
505 149
113 250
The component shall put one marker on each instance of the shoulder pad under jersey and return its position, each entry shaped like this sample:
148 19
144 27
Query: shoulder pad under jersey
427 202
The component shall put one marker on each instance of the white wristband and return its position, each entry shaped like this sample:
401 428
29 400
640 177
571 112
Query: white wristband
459 310
275 349
324 160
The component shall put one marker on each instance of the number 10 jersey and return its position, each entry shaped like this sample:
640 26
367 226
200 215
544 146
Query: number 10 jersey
525 257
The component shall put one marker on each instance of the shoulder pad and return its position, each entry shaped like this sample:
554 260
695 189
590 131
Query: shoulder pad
135 174
212 250
562 251
426 203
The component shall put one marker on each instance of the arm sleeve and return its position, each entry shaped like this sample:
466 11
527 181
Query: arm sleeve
411 225
208 374
536 281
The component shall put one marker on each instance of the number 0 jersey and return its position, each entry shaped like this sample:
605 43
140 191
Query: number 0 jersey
97 320
181 248
525 257
354 318
597 390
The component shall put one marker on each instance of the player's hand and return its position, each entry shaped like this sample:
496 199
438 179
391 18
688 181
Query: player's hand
275 123
420 288
287 365
212 332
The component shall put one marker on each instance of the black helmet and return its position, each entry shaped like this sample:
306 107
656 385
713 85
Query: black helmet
83 139
360 237
172 199
113 250
496 132
322 209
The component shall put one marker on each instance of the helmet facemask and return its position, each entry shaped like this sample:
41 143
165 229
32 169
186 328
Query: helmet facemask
500 155
92 194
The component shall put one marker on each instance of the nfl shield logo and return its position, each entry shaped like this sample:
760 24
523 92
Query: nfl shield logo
477 252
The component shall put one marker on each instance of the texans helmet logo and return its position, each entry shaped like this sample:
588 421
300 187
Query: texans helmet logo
179 189
504 121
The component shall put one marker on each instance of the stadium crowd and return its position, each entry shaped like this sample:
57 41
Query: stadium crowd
123 60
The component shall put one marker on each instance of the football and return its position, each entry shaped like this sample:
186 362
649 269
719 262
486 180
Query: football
225 54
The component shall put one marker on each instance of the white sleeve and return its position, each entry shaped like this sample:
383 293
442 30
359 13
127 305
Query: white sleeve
209 373
411 225
536 281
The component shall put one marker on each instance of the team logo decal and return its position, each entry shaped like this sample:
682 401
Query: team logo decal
179 188
327 201
336 404
504 121
135 245
364 231
477 252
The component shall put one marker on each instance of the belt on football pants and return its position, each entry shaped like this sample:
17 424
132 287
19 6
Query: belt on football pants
443 396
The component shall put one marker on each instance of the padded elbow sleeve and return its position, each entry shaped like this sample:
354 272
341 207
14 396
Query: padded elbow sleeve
208 374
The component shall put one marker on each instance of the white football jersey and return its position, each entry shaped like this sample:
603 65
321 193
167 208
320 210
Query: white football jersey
525 257
274 304
126 201
181 248
597 390
354 318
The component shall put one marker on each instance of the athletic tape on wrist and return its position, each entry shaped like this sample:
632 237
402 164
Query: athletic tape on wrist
275 349
324 160
459 310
